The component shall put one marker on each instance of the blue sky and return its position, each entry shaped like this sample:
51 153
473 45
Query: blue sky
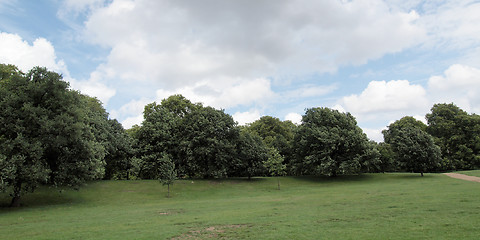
379 60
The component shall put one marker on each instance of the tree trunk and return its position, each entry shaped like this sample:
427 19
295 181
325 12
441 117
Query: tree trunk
168 190
421 173
278 182
16 195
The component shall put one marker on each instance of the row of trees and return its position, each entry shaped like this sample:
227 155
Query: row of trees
53 135
449 141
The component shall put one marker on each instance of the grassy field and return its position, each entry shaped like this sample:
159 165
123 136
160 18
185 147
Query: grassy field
370 206
475 173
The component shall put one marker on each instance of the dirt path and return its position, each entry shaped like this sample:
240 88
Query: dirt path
463 177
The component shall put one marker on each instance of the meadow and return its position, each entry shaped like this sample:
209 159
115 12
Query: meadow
368 206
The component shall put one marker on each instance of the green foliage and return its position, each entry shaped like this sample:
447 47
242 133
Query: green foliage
388 161
274 164
201 140
405 122
166 172
458 135
250 155
275 133
330 143
46 133
413 147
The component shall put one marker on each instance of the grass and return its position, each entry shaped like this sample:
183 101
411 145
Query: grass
371 206
475 173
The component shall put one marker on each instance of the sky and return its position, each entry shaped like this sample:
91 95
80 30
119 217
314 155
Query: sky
378 60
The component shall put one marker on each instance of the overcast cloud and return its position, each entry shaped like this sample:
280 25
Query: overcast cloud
273 57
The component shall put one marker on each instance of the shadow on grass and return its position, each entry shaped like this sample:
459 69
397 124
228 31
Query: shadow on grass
42 198
341 178
412 175
235 180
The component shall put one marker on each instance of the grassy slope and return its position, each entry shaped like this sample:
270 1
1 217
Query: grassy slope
373 206
475 173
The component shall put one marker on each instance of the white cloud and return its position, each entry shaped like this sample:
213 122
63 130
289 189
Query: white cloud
294 117
224 92
246 117
459 84
382 97
174 44
14 50
223 53
383 102
132 112
374 134
452 24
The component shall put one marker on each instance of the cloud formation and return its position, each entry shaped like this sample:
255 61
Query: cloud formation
392 100
14 50
216 51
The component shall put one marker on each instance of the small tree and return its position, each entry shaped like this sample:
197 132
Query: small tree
166 172
274 164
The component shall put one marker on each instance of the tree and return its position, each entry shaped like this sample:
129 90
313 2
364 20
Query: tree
45 134
207 142
329 142
388 162
457 133
415 150
119 152
155 138
200 140
251 153
405 122
275 133
167 173
274 164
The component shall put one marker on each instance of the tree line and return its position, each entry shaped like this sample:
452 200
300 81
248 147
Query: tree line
53 135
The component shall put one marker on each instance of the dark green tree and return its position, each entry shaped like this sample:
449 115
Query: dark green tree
458 135
200 140
388 162
251 153
405 122
276 133
119 152
415 150
208 141
155 138
45 134
330 143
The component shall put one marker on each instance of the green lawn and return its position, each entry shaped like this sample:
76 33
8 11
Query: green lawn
371 206
475 173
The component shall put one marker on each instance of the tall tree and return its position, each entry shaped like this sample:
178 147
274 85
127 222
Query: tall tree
208 141
458 135
275 133
45 134
155 138
251 153
415 150
330 143
201 140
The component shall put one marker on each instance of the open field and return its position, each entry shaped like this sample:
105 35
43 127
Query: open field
370 206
